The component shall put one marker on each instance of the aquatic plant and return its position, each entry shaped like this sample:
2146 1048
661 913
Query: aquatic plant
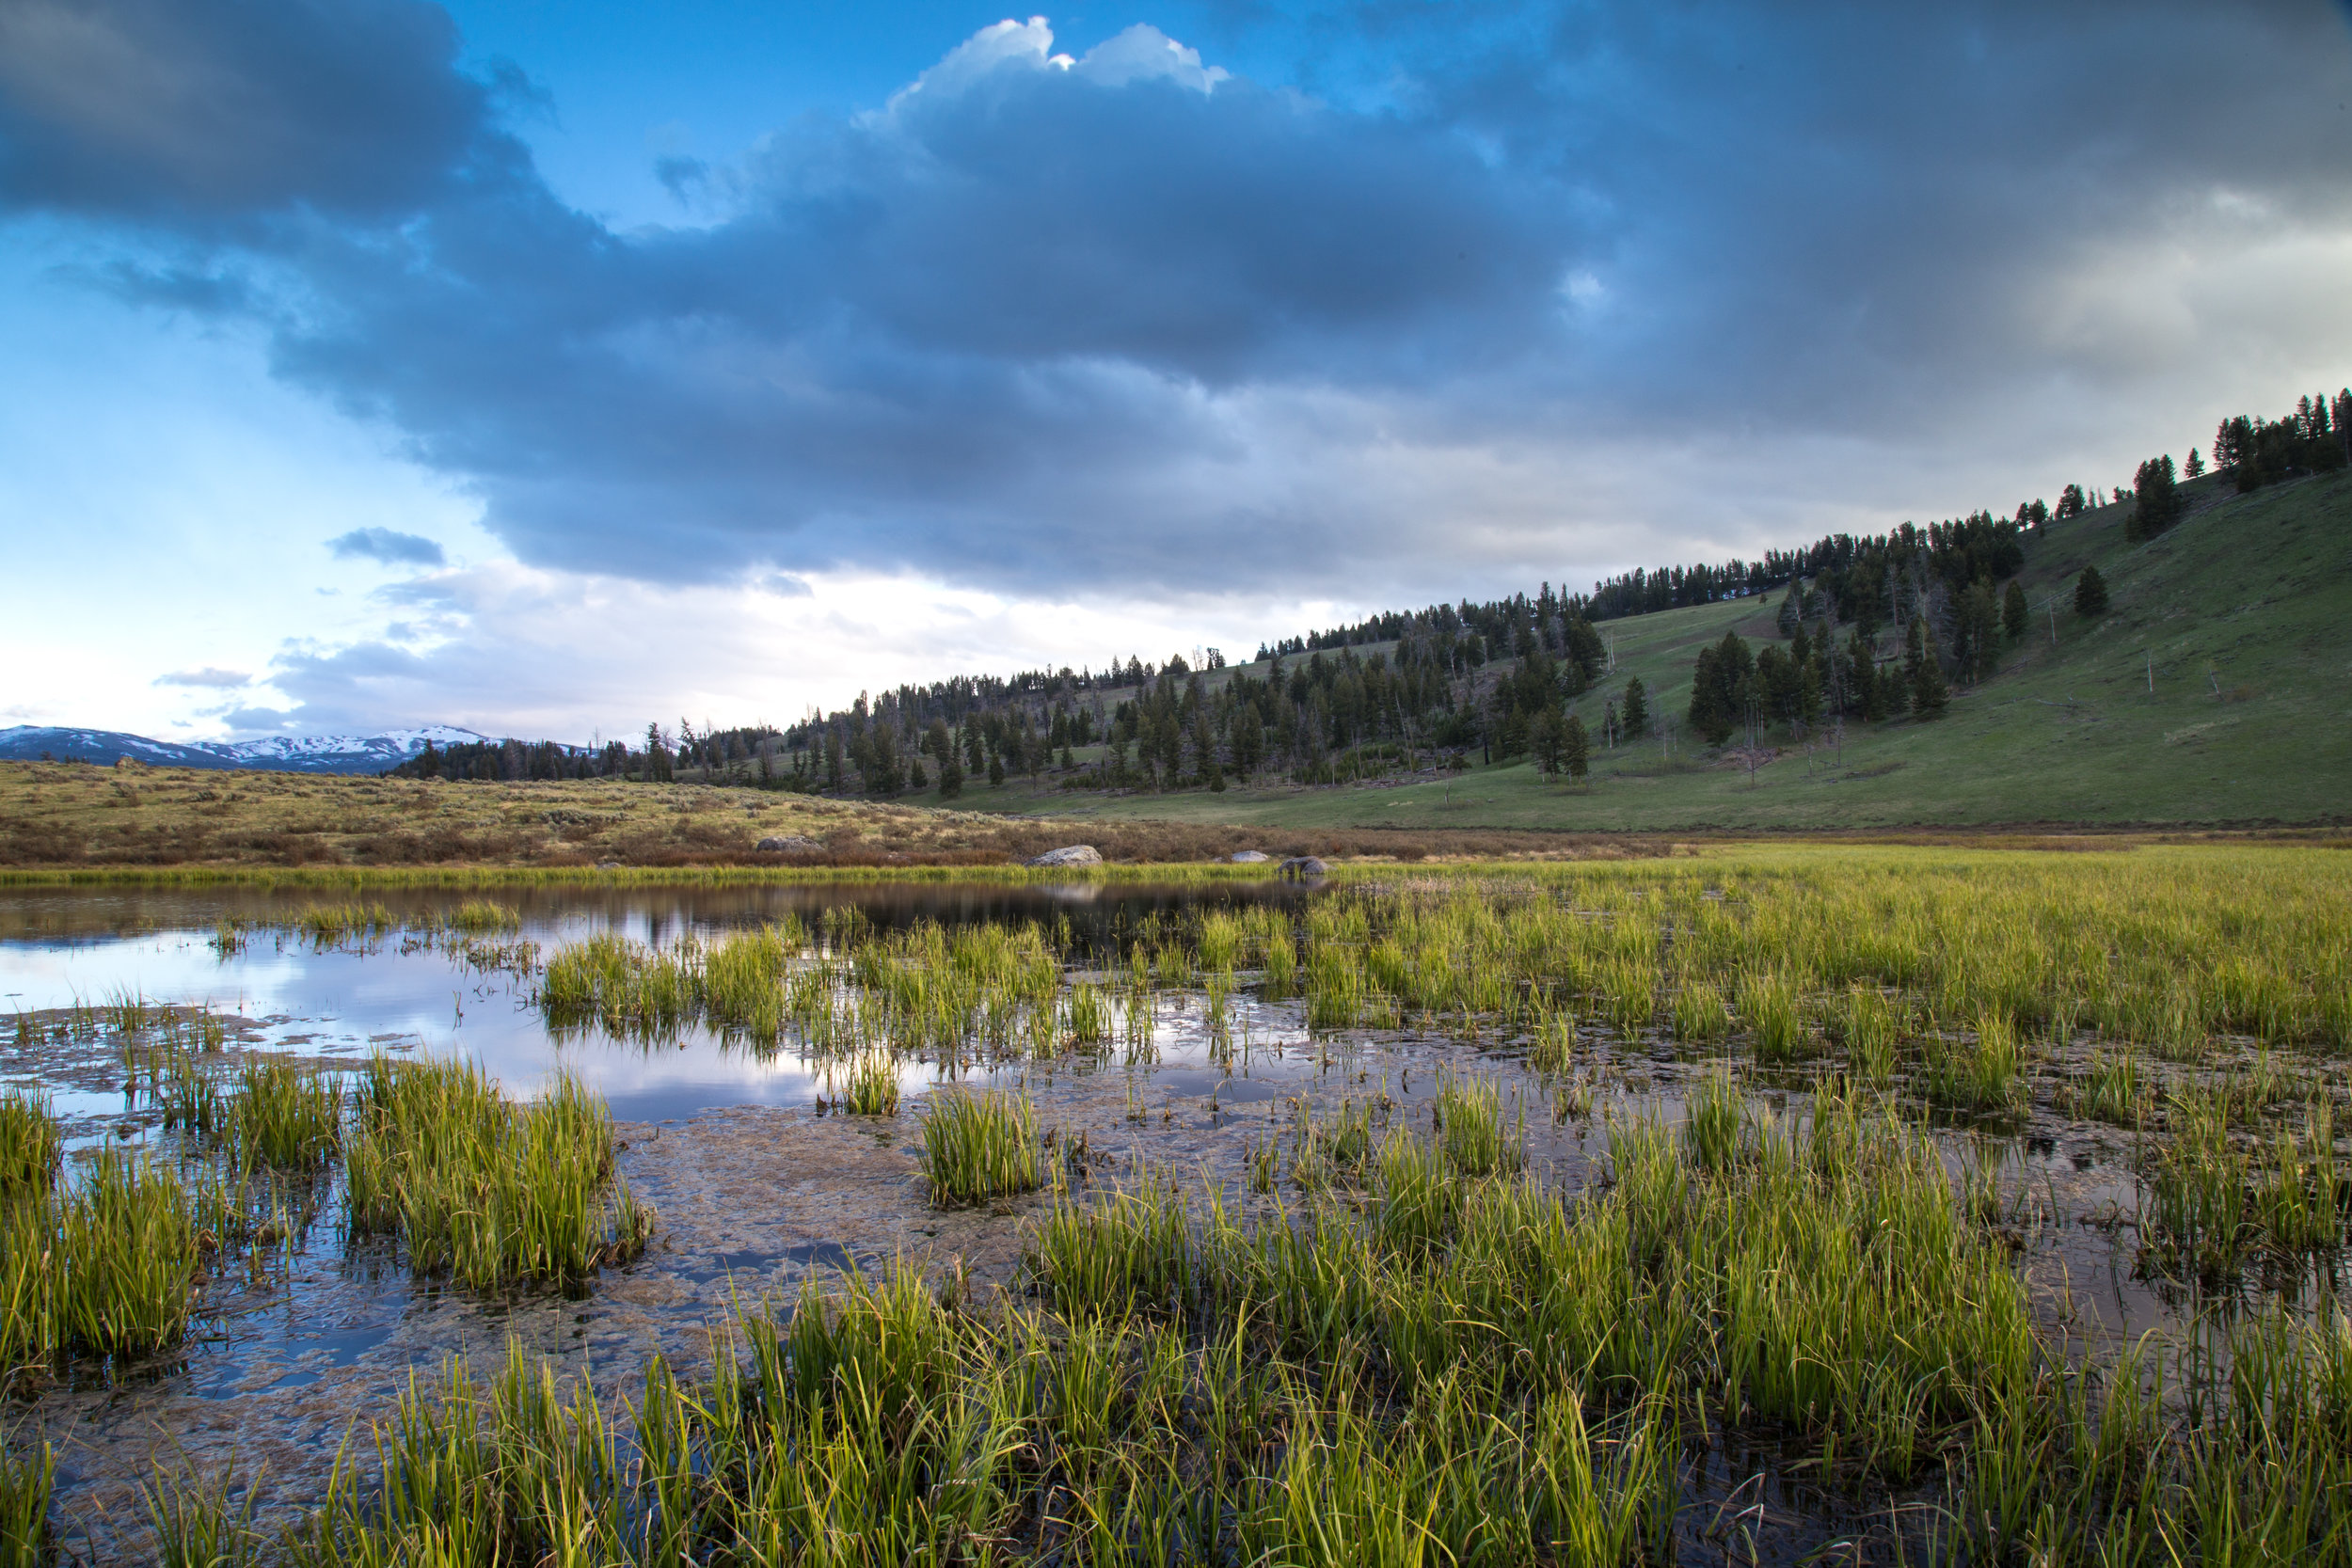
488 1190
977 1148
279 1114
29 1144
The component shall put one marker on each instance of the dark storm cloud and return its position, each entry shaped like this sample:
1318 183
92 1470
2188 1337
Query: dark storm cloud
209 109
990 331
388 545
1039 322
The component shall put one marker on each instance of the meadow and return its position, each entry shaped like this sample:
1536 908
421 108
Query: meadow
1804 1293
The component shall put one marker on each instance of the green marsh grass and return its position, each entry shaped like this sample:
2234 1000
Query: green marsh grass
488 1190
335 925
2115 1088
871 1088
978 1147
279 1116
102 1267
1478 1136
29 1146
1768 1004
1699 1016
1870 1028
27 1480
482 917
1979 1075
1425 1364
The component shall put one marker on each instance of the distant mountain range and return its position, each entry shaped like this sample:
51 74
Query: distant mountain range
284 754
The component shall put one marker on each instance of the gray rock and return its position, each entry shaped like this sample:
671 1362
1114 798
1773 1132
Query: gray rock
1250 857
1303 865
786 844
1071 854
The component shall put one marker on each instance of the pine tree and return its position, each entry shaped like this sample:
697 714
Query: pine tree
2194 466
1634 712
2156 502
2091 594
1551 738
2014 610
1927 692
995 768
1575 749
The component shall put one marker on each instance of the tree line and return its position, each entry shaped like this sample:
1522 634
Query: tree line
1920 608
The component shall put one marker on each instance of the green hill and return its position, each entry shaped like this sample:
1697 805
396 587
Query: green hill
2217 688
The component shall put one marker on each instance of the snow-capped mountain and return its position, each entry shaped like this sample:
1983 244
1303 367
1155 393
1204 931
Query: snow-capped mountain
279 753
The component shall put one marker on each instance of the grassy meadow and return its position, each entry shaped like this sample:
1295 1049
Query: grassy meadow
1812 1264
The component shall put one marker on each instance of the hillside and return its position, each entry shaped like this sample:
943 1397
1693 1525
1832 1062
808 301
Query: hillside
2217 688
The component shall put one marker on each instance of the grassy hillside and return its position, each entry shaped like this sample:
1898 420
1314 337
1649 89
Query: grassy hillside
2217 688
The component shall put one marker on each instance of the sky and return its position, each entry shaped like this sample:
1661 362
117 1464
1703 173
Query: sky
554 369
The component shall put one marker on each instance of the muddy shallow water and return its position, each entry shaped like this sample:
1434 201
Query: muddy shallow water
757 1188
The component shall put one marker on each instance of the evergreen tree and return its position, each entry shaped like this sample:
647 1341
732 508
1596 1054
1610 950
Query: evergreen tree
1634 713
1980 631
2194 466
1719 687
2156 504
1575 749
2014 610
1551 738
995 768
1927 692
2091 594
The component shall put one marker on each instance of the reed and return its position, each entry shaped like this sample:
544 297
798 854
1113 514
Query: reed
1868 1027
1478 1138
872 1087
978 1147
491 1193
279 1116
1699 1016
1978 1074
29 1146
336 924
481 917
27 1480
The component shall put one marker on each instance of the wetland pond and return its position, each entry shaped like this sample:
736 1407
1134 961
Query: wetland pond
1251 1052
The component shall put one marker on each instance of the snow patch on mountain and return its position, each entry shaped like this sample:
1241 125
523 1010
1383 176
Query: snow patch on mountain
284 754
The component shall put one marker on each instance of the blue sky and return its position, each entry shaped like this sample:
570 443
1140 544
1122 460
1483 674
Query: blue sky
547 368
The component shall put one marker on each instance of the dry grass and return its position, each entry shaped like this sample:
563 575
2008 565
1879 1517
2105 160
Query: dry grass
75 816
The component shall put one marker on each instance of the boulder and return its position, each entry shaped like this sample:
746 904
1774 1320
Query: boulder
1250 857
786 844
1071 854
1303 865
